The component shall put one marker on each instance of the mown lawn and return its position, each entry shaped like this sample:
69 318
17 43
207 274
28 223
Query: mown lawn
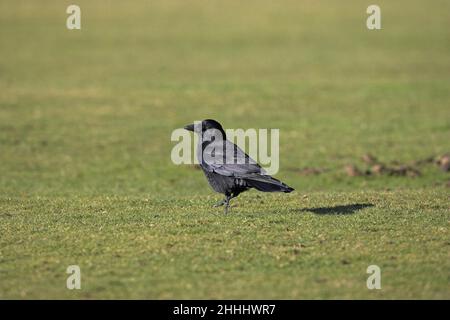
86 177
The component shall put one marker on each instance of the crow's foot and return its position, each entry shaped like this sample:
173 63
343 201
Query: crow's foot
220 203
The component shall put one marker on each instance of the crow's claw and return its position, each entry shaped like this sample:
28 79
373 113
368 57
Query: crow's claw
220 203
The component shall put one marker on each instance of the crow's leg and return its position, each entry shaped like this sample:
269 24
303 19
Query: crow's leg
227 202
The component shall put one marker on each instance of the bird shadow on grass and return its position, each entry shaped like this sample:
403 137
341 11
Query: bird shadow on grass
343 209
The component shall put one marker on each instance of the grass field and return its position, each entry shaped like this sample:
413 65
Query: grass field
86 177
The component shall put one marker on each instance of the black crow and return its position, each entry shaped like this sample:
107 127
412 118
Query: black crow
229 170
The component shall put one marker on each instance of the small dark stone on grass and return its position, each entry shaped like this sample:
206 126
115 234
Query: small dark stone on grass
423 161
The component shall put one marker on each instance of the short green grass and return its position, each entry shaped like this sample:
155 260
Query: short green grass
85 170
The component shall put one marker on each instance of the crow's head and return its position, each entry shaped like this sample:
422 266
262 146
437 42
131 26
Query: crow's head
207 124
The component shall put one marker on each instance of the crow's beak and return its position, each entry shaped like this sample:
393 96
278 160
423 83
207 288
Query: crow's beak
189 127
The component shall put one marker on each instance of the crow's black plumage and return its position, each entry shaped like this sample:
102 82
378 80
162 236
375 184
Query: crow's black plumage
230 170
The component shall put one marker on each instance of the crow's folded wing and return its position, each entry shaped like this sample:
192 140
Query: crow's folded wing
226 158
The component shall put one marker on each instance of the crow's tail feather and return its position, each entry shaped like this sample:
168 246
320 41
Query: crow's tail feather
266 183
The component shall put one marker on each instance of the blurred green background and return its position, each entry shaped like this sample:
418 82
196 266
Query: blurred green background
85 123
